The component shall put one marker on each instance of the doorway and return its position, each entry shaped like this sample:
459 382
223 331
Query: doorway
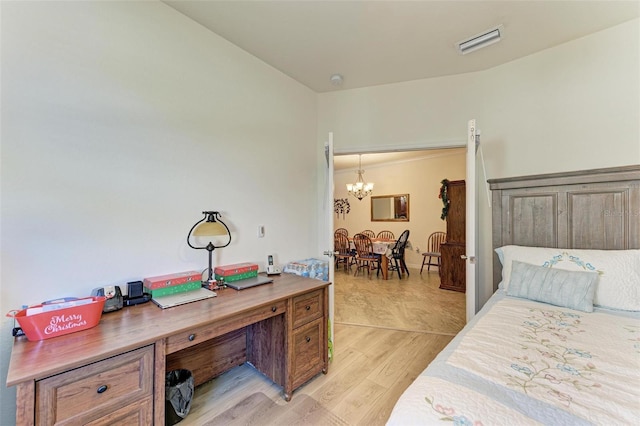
418 173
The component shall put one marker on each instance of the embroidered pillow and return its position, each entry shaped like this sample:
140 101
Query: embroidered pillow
569 289
618 285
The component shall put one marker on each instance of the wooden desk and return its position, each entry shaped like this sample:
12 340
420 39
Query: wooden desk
116 370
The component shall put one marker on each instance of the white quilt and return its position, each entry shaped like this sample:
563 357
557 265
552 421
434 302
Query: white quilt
524 362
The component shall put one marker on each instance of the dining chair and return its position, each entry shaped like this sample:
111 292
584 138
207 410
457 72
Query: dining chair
386 235
397 254
342 231
365 257
434 242
342 250
369 233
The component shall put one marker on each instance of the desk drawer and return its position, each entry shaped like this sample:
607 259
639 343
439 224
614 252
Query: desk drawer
308 345
206 332
96 390
307 307
137 414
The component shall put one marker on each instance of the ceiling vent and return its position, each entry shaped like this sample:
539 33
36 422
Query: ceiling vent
481 40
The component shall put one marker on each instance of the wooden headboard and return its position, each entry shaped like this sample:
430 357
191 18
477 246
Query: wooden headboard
590 209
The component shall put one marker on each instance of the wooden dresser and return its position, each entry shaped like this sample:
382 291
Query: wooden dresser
453 266
115 372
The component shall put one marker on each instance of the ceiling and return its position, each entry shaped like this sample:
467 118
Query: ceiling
372 43
380 42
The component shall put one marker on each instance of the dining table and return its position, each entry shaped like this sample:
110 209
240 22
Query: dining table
382 247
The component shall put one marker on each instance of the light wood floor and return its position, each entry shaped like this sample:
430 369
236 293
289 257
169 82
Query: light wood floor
386 333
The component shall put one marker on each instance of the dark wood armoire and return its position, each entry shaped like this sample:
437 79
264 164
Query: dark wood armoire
453 267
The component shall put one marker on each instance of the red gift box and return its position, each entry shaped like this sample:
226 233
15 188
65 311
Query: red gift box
235 269
172 279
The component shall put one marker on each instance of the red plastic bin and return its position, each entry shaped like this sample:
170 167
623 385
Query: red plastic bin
58 322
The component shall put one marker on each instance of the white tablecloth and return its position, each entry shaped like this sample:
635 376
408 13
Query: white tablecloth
379 247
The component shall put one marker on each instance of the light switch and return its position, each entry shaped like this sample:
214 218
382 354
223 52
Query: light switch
260 231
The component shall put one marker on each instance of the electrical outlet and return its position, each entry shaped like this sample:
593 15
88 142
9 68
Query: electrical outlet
417 249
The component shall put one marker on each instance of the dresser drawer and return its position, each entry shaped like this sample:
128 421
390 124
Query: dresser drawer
308 345
307 307
88 393
206 332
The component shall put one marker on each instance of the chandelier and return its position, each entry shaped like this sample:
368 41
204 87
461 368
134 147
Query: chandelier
360 189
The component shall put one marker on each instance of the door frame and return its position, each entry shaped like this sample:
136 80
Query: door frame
470 296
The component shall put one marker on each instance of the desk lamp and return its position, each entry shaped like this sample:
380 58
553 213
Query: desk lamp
209 225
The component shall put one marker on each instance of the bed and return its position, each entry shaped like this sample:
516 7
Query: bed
559 341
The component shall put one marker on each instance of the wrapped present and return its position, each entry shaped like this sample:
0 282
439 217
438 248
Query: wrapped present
235 269
174 289
312 268
169 280
236 277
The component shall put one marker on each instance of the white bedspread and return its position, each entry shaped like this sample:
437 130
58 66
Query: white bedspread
523 362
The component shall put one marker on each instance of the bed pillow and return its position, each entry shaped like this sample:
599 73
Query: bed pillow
569 289
618 285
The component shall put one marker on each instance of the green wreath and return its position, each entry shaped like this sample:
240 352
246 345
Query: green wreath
444 189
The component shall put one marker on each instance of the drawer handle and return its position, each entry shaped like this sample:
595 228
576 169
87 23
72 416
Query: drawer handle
192 337
102 389
308 339
273 309
307 307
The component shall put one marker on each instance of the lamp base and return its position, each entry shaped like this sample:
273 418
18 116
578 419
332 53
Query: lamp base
211 285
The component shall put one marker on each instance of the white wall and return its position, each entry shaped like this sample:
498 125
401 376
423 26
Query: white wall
420 179
415 114
575 106
121 123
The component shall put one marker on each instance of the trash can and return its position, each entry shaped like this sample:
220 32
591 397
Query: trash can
178 393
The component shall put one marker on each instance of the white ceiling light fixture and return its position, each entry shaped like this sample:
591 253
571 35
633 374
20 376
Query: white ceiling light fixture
360 189
336 79
478 41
